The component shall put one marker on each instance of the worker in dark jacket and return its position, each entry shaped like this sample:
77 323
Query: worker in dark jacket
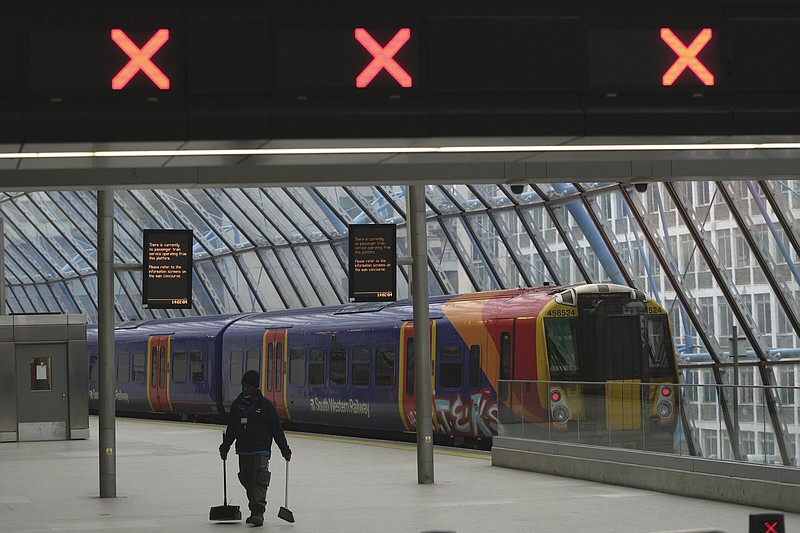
253 424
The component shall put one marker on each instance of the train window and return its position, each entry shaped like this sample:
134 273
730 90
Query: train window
198 366
137 369
316 367
384 366
237 366
93 368
410 367
338 366
123 367
162 367
561 339
451 366
474 366
154 367
278 366
505 364
270 365
253 360
659 349
179 367
297 366
360 368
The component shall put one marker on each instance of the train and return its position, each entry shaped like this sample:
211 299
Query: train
589 359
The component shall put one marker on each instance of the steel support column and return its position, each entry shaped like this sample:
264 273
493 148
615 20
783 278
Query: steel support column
105 334
422 332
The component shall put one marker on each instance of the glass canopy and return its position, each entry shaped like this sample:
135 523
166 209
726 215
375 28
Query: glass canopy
715 254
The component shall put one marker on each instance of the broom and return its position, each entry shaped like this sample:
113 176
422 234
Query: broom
284 513
225 512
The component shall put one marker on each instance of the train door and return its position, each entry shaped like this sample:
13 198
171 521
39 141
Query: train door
158 374
615 330
274 355
406 386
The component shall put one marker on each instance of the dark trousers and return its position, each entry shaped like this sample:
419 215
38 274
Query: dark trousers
254 476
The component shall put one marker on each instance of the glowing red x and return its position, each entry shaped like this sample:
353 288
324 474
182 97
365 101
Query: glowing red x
687 57
383 58
770 527
140 59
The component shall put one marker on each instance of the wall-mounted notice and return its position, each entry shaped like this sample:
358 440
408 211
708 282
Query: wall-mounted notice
373 262
167 271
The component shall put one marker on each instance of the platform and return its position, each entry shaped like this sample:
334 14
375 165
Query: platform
169 475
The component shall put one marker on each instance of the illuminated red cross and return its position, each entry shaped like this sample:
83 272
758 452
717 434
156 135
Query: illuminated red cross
770 527
140 59
687 57
383 58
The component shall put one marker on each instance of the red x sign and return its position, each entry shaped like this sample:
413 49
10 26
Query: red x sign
687 57
770 527
140 59
383 58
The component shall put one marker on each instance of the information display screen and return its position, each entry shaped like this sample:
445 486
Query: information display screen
373 262
167 269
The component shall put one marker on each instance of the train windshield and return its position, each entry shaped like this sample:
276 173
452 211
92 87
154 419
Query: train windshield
561 338
659 347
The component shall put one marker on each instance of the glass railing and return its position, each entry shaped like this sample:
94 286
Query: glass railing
694 420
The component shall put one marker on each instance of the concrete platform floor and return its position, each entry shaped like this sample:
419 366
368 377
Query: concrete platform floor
169 475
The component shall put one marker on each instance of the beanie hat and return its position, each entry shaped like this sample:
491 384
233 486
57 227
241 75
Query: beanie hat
250 378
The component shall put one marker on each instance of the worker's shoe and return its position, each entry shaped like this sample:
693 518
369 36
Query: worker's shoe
256 520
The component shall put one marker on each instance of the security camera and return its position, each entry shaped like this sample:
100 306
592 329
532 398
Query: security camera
518 188
640 187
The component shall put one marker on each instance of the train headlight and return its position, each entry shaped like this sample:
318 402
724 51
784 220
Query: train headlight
664 407
558 407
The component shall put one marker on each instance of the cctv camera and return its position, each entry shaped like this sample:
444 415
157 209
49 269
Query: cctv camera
518 189
640 187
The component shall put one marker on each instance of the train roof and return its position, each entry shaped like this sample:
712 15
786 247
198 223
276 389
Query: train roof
191 325
507 303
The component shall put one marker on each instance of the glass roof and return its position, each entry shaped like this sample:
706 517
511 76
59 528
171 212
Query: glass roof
714 254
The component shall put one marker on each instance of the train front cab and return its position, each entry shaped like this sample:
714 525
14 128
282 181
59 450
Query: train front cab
617 349
605 372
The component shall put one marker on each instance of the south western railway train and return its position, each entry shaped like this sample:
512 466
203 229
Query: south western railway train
568 359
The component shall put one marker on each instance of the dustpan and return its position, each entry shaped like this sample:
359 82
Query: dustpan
284 513
225 512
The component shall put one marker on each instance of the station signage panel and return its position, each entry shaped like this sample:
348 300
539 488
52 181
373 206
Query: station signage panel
167 269
373 262
250 71
537 55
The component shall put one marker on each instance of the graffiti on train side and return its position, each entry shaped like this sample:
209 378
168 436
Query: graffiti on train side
474 415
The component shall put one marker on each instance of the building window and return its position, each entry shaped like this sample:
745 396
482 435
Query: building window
786 380
763 312
742 250
709 438
707 310
724 247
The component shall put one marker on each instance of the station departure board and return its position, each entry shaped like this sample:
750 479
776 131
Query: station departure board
212 72
167 269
